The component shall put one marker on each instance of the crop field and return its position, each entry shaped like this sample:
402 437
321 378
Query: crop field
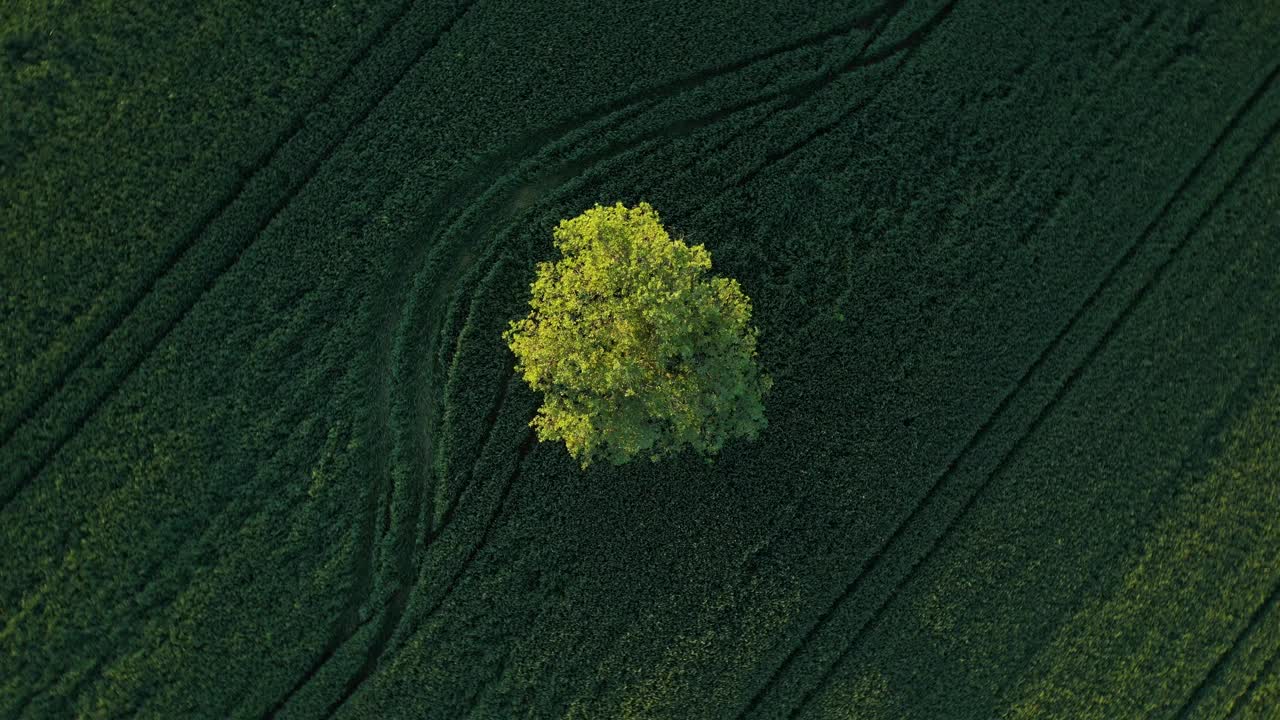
1015 266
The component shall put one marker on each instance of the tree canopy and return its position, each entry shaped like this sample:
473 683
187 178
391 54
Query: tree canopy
634 346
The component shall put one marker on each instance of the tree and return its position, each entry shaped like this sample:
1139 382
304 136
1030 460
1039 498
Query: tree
634 348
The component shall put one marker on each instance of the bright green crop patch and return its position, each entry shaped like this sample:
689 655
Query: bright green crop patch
1206 578
264 451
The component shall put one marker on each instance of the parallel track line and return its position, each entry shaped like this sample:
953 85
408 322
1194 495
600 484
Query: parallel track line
1108 279
1045 411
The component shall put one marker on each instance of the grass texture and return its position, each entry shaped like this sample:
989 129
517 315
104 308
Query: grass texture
263 455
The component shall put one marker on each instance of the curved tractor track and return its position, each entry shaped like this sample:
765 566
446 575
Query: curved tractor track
496 208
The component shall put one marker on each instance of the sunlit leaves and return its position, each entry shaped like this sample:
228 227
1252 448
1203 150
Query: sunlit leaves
635 348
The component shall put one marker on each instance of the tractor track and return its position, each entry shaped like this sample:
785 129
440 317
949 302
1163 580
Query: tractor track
1196 464
253 168
1246 698
874 561
1072 377
351 622
147 347
531 146
1215 673
577 167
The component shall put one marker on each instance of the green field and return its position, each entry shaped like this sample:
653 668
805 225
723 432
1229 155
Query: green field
1016 269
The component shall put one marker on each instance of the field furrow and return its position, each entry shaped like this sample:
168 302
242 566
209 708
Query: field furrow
1063 388
459 264
116 351
912 590
265 453
1216 673
919 523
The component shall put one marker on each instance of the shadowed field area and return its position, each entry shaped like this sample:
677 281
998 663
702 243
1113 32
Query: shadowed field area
1016 269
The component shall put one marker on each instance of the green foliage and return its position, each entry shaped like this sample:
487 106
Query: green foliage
634 348
299 453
